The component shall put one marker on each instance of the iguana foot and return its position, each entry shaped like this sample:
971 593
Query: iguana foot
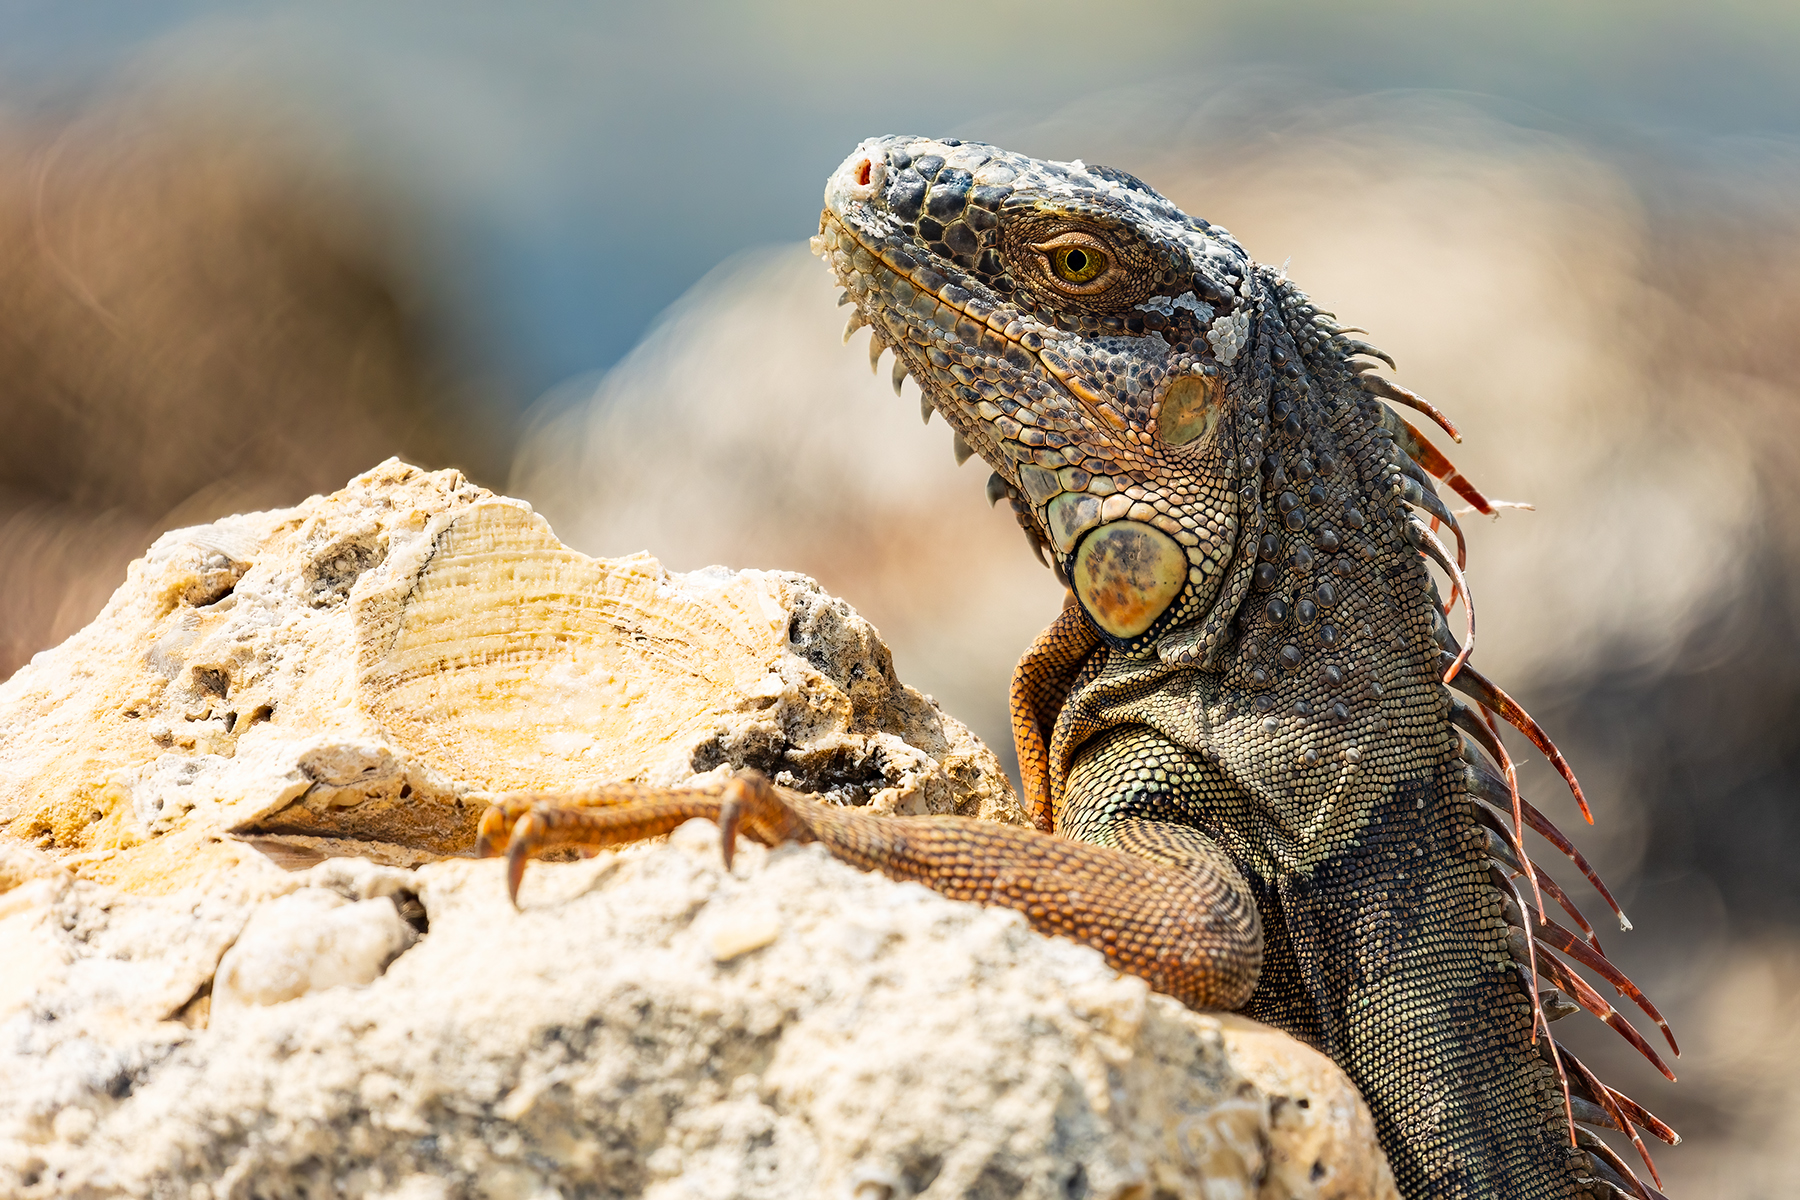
523 825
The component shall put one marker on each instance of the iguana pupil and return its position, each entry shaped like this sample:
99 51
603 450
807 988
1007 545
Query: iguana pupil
1075 264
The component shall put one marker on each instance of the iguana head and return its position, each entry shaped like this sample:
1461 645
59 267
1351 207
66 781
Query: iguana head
1091 341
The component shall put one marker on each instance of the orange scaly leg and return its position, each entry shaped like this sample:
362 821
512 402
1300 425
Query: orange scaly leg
1163 923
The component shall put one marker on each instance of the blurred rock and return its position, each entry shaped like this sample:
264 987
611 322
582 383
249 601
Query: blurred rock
365 668
308 941
195 320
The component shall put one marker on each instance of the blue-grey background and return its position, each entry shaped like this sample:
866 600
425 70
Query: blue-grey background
572 168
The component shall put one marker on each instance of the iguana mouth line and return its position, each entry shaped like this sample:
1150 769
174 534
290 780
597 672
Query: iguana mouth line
1079 389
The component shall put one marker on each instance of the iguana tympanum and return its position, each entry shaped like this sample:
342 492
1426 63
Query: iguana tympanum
1252 783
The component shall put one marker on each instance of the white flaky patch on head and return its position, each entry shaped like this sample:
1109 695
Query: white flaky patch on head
1167 306
1228 335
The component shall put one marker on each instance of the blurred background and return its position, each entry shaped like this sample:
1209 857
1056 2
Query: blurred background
249 250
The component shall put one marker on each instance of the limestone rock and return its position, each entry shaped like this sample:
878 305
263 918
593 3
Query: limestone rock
308 941
360 672
212 987
647 1023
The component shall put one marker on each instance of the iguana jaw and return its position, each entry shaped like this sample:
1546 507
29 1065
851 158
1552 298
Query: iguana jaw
1104 406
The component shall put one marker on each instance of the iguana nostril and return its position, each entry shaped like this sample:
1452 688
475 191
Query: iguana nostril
859 178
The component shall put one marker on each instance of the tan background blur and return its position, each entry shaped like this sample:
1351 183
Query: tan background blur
226 282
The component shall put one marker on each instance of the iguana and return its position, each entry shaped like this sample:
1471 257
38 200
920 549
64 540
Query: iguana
1252 784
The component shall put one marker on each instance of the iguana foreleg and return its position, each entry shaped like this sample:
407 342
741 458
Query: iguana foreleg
1165 906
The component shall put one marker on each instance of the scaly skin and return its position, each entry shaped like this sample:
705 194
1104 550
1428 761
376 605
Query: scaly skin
1240 723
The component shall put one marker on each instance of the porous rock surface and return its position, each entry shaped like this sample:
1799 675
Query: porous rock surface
237 962
359 673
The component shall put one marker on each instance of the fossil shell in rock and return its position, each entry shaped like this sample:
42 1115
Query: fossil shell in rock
358 674
508 660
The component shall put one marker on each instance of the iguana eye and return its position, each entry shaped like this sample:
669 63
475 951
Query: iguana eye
1078 262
